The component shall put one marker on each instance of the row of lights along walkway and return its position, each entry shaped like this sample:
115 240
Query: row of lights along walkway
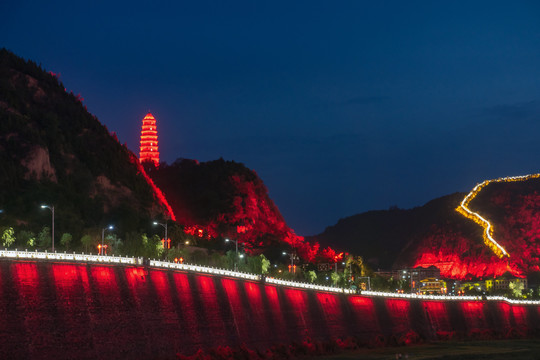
85 258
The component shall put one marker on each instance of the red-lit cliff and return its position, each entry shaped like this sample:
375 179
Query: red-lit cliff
435 234
219 199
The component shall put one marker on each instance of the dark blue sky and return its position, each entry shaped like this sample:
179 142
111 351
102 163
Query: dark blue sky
340 107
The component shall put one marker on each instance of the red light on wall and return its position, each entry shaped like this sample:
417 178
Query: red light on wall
149 150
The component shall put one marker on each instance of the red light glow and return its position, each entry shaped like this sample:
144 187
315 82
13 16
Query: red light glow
30 293
157 192
364 313
520 317
504 310
215 326
398 310
299 303
104 278
190 320
278 318
237 308
333 315
474 313
438 314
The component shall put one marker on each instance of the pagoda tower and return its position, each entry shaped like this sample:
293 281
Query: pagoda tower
149 141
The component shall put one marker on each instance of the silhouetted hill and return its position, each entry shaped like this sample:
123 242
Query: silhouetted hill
380 236
53 151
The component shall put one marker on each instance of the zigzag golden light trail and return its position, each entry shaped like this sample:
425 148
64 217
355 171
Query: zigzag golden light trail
477 218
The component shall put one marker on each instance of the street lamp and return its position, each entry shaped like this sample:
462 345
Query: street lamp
236 257
292 256
165 226
110 227
52 230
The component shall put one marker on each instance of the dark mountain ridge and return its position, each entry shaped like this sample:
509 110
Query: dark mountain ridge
381 235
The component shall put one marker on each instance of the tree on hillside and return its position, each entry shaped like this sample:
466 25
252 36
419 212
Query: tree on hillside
114 243
311 276
257 264
44 238
8 237
86 241
334 276
65 240
265 264
26 238
516 289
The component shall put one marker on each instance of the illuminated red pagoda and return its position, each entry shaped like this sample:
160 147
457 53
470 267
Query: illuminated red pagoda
149 142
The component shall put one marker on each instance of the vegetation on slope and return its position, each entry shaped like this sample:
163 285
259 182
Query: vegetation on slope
52 151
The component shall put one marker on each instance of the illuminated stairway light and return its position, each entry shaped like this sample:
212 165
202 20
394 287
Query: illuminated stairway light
464 210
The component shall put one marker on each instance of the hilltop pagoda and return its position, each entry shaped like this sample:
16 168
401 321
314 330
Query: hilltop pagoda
149 140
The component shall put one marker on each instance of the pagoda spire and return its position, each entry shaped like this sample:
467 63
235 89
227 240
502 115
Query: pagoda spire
149 150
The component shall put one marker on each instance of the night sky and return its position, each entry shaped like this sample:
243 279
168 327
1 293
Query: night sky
339 106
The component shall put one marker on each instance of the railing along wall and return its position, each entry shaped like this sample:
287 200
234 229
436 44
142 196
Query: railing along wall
86 258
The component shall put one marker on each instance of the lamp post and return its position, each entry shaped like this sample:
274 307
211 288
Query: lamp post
292 256
165 226
236 257
110 227
52 230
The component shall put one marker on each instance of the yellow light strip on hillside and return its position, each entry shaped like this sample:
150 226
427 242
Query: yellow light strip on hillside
477 218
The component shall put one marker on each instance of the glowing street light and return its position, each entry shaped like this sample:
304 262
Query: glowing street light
110 227
52 230
292 256
165 226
